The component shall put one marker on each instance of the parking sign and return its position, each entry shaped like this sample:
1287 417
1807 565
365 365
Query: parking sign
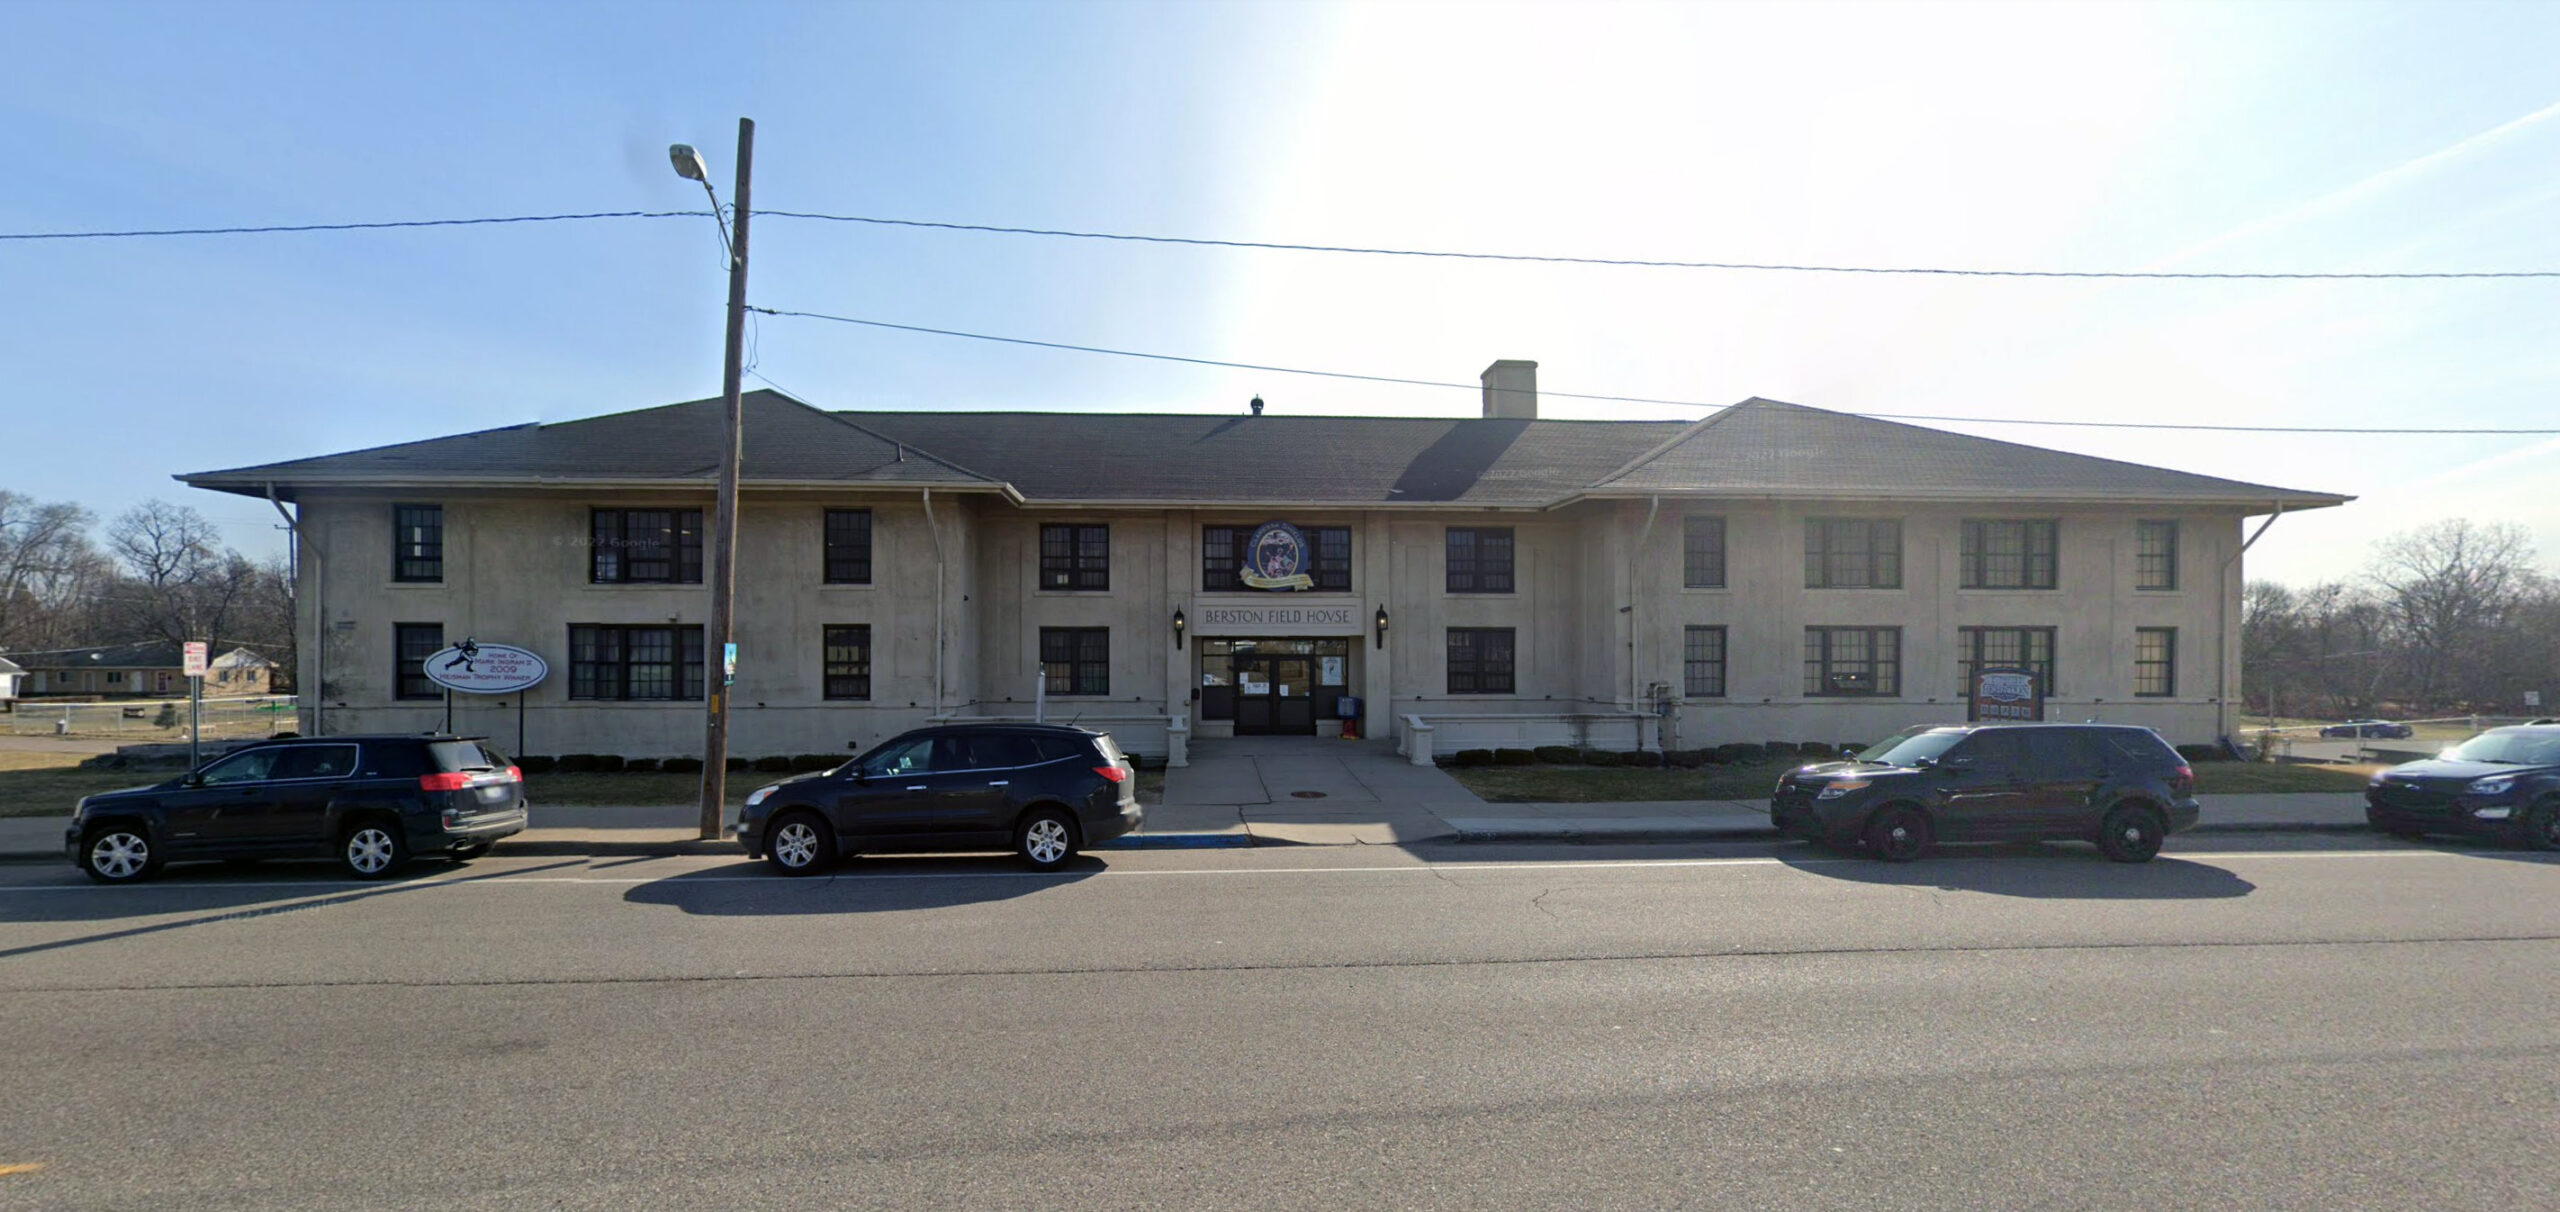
195 658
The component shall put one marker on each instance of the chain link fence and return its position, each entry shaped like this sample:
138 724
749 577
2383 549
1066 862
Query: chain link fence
142 721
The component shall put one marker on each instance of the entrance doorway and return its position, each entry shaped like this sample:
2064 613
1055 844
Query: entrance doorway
1275 695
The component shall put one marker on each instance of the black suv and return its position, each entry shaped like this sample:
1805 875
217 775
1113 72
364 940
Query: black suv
2503 783
1043 791
2119 786
370 801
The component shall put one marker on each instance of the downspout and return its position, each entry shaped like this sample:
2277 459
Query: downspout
1635 633
938 559
319 610
2222 642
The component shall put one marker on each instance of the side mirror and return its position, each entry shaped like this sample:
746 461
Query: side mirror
192 778
861 775
1923 763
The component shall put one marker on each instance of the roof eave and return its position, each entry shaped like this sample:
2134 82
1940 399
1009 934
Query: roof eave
2290 501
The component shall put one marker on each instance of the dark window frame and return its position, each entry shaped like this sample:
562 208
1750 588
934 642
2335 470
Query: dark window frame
409 680
613 551
846 678
1972 641
1702 552
1483 660
1222 557
2155 571
2166 679
2038 554
1828 554
1702 675
1075 557
846 543
1075 662
603 659
417 544
1825 666
1481 559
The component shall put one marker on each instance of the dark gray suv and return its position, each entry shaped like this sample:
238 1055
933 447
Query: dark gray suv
369 801
2119 786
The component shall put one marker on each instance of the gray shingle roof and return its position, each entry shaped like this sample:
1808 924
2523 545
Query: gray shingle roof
148 654
1757 448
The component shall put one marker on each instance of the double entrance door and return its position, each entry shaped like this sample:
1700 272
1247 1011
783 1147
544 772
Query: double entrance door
1275 695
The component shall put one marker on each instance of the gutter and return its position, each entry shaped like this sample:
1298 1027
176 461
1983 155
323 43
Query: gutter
2222 617
935 529
1635 630
319 610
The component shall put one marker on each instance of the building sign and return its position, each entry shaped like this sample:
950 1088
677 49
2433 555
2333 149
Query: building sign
1329 671
1278 620
1276 557
2005 694
476 668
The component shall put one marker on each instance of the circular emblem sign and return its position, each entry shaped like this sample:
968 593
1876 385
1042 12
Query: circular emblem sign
1276 558
476 668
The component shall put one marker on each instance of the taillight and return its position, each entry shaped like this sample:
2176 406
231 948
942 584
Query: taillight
2186 776
514 775
1113 773
454 781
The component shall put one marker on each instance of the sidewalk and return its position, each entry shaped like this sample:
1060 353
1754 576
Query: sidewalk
1352 812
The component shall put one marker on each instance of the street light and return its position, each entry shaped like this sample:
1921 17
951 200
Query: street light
724 529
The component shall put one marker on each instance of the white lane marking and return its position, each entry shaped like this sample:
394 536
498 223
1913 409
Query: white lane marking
489 881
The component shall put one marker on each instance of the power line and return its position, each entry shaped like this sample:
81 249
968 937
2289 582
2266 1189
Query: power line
1574 395
272 229
1646 263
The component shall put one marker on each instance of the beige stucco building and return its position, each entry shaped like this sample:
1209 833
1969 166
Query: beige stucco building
1773 572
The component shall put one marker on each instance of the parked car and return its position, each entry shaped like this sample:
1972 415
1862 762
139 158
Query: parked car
371 802
1043 791
2503 783
2119 786
2383 729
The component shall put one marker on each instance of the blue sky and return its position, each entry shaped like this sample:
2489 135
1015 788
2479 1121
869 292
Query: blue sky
2238 137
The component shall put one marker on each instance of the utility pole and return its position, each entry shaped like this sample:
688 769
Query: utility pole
724 527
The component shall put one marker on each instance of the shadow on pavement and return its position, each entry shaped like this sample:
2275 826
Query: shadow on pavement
858 885
2037 870
222 894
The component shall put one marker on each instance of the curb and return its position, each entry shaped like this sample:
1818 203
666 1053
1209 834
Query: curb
1703 833
1184 841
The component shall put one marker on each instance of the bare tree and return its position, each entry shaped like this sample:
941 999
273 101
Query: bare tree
2446 589
179 583
45 560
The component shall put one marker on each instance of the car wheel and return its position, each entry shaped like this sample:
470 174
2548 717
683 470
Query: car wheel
466 853
2131 835
1046 840
118 854
1898 835
800 844
373 849
2542 825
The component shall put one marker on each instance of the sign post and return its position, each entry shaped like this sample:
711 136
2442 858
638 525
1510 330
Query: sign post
196 652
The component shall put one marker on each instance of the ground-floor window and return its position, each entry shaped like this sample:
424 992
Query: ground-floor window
2003 648
847 658
1852 661
1702 663
2155 661
412 644
1076 660
618 663
1480 660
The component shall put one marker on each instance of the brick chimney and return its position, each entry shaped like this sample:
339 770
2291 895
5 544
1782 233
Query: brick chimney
1511 390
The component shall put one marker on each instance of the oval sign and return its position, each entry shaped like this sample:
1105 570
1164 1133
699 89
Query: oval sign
476 668
1276 558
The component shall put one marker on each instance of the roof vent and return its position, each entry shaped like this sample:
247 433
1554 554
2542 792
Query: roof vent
1257 406
1511 390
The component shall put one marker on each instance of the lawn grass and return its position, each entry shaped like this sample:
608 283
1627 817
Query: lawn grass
1616 784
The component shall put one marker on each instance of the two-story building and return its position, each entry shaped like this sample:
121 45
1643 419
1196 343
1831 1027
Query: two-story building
1770 572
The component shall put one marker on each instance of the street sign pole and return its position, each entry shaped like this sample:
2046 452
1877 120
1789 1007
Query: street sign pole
196 652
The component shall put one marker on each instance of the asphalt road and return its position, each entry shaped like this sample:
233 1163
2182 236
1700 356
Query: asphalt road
2305 1023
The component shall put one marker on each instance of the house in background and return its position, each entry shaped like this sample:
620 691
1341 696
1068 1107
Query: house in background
10 676
152 668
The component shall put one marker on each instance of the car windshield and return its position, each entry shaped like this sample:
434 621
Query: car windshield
2510 748
1910 745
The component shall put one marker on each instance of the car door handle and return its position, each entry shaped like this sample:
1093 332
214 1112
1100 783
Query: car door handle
917 787
1001 783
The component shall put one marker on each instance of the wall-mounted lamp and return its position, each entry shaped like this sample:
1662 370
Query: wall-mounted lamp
1178 624
1382 626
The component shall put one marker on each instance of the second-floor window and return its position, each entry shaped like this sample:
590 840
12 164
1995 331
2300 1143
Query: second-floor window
2155 558
2000 554
1480 559
1852 553
417 543
1223 561
848 547
1702 553
1852 661
646 546
1075 557
412 644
